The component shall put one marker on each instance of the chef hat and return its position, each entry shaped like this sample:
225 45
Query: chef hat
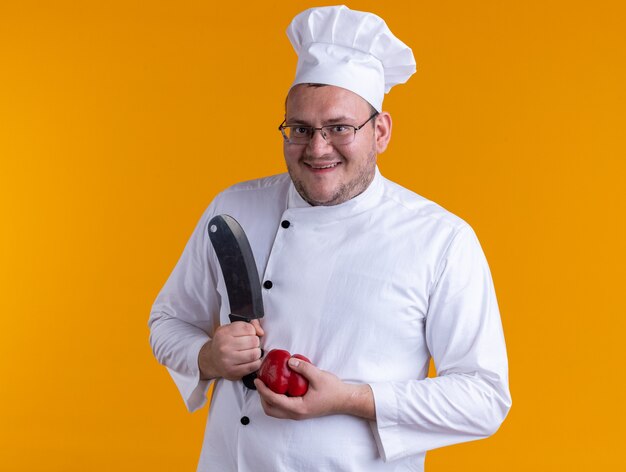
350 49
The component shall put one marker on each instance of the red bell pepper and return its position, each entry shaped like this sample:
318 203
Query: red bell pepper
278 376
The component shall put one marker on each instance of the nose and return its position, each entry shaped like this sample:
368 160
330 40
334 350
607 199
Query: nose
318 144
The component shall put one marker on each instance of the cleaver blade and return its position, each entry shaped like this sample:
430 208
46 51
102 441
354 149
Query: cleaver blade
241 276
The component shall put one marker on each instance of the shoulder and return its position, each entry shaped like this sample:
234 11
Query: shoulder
435 230
252 200
272 188
413 206
274 183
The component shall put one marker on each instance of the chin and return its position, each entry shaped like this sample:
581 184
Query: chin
325 200
317 200
322 198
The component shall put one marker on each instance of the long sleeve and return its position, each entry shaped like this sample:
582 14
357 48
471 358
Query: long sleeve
469 398
185 314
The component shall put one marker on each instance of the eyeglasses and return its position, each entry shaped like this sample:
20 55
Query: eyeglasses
337 134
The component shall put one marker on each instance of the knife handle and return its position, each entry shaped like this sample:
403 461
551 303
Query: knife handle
248 380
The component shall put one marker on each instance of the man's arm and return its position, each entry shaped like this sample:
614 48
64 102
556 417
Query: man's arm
185 315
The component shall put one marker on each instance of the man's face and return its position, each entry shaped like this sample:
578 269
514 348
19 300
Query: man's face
326 174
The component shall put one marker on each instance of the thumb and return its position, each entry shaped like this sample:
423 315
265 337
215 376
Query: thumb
257 327
301 366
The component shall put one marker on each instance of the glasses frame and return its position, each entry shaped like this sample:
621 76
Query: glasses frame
312 130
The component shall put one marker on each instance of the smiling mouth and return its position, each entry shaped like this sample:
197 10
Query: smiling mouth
323 166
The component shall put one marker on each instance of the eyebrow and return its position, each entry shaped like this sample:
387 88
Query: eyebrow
333 121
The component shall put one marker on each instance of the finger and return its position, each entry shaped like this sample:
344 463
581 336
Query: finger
267 395
260 386
251 367
271 401
243 343
279 406
236 373
245 358
302 367
251 355
241 328
239 366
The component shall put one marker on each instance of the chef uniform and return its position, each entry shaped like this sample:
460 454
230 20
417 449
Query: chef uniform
368 289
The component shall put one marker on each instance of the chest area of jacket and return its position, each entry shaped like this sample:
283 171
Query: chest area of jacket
322 282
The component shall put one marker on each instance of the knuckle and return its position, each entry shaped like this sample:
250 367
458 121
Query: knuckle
222 331
242 326
234 327
255 354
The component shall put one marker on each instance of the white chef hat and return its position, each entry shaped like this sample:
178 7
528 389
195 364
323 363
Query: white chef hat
351 49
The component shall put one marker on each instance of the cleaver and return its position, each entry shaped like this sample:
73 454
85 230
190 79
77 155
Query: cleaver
240 273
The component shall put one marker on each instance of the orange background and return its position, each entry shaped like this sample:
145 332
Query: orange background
120 120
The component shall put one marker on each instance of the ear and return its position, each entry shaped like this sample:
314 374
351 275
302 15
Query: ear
382 131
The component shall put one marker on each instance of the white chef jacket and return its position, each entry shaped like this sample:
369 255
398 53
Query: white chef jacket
368 290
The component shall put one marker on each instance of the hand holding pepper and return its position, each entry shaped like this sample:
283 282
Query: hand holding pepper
326 395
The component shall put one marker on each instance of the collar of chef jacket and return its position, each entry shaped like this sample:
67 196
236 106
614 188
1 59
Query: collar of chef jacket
370 198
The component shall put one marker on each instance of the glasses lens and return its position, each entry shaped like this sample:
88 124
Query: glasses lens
339 134
297 134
